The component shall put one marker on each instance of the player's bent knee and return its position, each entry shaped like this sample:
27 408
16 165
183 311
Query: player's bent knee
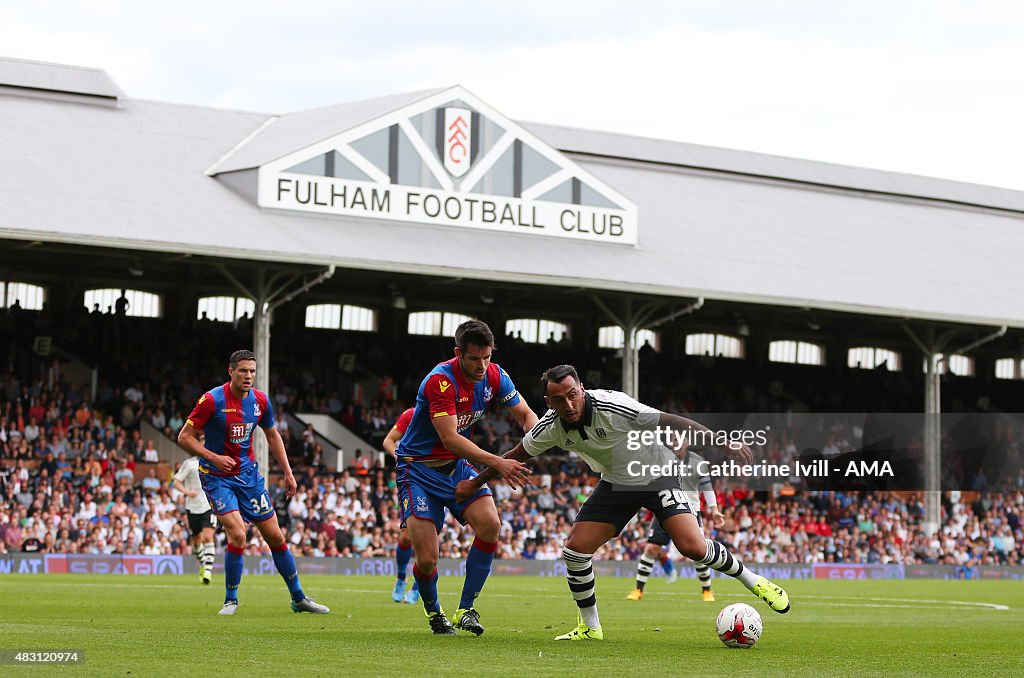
426 566
488 530
236 537
578 546
652 550
693 548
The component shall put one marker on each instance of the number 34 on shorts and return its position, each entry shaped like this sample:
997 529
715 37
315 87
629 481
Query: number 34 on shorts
247 495
255 506
260 505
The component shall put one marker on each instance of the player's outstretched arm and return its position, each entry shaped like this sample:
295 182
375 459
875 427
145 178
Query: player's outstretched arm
525 417
513 471
390 443
180 487
465 489
674 421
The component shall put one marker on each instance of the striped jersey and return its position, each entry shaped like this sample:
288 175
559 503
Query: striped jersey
602 436
228 424
445 392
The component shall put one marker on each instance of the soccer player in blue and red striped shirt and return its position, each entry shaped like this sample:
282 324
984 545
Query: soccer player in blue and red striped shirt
434 455
228 416
403 550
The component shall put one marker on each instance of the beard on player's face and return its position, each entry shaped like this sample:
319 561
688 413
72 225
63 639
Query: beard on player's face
474 361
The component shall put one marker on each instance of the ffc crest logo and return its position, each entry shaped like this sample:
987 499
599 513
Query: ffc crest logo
601 433
458 140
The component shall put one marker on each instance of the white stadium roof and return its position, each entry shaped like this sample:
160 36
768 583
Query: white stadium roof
717 223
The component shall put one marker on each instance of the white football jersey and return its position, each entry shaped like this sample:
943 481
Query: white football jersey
602 436
188 474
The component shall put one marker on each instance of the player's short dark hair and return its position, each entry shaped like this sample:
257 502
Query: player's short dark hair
557 374
474 332
240 355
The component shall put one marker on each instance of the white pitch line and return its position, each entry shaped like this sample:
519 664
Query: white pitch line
877 602
895 605
969 603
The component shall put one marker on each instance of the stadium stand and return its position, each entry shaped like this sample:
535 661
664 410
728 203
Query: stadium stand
75 475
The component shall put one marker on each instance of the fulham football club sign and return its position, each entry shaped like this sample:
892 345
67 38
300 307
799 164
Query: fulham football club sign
449 159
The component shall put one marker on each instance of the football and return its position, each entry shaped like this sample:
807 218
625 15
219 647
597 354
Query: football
739 626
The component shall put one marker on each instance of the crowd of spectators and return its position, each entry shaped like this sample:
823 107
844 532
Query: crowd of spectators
71 483
77 475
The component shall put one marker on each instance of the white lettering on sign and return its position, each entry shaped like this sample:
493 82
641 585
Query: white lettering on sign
291 191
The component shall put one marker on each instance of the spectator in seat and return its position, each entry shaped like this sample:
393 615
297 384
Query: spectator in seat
361 464
349 484
123 472
149 453
31 432
151 483
82 414
348 418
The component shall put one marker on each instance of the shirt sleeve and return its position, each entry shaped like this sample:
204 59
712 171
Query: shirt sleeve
202 412
507 393
439 392
543 436
182 472
267 419
404 420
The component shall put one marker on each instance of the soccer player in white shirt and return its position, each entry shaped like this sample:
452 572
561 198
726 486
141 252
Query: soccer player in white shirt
201 522
604 428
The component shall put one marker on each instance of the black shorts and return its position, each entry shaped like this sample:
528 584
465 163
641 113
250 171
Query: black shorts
617 504
197 522
658 536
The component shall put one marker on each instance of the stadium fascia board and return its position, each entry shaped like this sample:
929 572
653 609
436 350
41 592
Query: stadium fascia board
596 284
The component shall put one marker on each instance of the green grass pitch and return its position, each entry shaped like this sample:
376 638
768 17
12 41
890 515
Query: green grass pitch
168 625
